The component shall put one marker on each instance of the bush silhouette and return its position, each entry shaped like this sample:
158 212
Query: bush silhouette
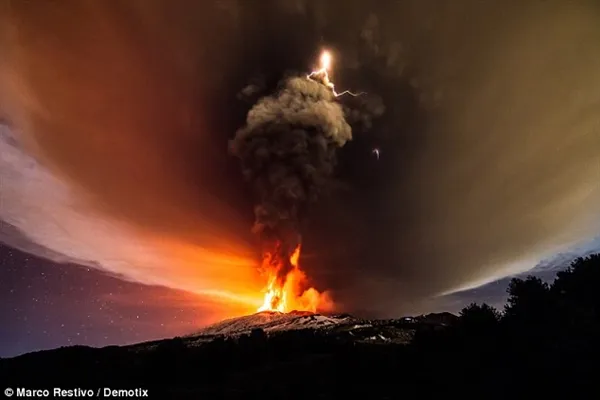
478 319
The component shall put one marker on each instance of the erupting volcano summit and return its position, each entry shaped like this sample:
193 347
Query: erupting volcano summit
288 152
285 296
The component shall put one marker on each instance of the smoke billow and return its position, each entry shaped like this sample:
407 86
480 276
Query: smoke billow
288 151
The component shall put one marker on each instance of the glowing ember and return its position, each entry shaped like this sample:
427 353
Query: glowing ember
289 295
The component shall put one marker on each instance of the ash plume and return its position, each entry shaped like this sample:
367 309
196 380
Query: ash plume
287 152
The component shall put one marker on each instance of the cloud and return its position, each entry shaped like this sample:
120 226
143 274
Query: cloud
44 216
96 148
120 117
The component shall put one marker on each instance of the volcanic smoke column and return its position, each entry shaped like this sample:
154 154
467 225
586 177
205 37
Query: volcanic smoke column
287 152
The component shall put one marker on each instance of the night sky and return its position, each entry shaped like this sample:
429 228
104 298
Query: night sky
46 305
133 219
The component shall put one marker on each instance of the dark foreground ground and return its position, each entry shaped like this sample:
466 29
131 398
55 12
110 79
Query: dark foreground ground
545 343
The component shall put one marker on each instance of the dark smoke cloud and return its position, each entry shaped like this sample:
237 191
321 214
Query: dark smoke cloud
288 151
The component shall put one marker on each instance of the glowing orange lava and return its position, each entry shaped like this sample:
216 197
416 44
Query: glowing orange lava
290 295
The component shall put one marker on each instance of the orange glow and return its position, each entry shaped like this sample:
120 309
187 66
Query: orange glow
274 297
295 257
290 294
225 274
229 277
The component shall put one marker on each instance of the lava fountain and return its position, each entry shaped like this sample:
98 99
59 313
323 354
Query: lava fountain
288 294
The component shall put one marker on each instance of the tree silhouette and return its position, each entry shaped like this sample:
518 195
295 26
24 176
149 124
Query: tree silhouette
578 284
577 300
529 301
479 317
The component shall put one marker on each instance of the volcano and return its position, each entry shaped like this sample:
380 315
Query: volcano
252 354
274 321
338 326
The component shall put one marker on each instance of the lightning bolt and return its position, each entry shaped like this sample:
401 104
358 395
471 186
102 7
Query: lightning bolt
323 74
